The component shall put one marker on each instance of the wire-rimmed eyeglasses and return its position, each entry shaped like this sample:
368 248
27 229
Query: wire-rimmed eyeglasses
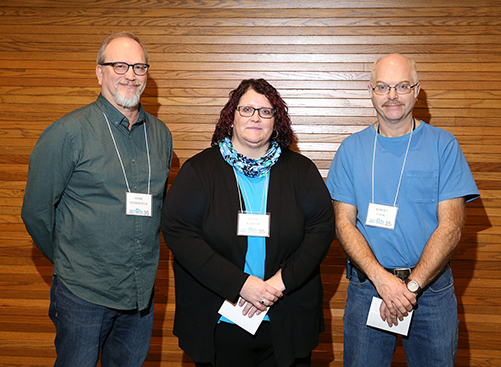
264 112
402 88
122 68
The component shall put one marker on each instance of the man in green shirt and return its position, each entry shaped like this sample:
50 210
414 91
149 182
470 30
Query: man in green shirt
92 205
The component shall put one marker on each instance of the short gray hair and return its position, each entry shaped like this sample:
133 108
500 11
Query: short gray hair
101 55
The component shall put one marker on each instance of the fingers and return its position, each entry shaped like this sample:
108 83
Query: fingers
262 303
404 303
398 309
265 302
397 297
272 294
387 316
248 306
249 309
392 315
259 293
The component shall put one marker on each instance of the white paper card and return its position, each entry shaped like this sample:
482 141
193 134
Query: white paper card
374 319
256 225
138 204
381 216
233 312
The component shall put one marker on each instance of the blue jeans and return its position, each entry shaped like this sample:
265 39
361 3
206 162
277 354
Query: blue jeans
84 330
433 334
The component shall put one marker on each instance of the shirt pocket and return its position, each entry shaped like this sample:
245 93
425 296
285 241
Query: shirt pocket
422 186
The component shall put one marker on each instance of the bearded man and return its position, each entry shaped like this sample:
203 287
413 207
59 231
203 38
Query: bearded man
95 189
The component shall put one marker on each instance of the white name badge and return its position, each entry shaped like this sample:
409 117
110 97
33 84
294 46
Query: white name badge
382 216
257 225
138 204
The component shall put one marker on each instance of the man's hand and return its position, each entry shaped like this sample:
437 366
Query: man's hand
398 301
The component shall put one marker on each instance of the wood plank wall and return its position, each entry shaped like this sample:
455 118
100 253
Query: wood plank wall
318 54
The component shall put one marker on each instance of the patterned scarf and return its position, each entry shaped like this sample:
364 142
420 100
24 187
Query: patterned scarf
248 166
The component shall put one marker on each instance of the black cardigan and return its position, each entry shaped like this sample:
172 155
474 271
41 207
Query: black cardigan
199 222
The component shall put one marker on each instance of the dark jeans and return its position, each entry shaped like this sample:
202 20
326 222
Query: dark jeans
83 330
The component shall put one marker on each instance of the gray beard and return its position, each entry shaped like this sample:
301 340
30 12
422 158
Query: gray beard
127 102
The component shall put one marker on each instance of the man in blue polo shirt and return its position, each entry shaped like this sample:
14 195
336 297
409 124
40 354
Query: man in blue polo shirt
399 189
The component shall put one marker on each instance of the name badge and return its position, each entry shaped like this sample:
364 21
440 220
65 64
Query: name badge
138 204
381 216
256 225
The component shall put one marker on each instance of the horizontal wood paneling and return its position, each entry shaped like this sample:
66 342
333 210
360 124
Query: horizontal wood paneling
318 54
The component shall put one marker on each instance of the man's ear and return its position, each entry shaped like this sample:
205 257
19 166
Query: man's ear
417 89
99 74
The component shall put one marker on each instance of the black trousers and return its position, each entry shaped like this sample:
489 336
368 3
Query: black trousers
236 347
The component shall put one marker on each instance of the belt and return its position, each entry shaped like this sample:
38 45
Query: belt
402 273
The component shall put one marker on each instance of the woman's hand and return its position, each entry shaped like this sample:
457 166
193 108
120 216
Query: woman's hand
259 295
276 281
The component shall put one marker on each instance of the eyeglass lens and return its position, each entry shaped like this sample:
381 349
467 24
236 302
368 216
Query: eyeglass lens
122 68
403 88
248 111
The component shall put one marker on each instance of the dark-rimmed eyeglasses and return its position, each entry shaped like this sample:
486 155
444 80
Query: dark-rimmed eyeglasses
402 88
264 112
122 68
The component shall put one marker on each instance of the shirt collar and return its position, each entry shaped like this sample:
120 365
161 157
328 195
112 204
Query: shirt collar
115 116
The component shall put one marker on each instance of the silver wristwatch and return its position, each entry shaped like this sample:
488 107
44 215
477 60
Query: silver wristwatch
413 286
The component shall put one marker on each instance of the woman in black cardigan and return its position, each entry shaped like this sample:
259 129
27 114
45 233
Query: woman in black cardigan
216 259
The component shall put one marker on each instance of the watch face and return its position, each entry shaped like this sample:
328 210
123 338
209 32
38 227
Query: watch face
413 286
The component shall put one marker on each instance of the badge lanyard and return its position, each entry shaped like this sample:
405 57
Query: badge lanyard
250 224
384 216
137 204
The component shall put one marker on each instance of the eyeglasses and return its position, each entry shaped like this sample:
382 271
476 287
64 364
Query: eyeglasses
122 68
264 112
402 88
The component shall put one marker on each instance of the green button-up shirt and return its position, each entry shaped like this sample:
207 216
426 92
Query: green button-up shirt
75 203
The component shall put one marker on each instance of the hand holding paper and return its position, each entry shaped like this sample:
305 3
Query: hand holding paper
234 312
374 319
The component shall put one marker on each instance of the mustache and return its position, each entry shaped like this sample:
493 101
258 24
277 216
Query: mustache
128 82
392 103
136 83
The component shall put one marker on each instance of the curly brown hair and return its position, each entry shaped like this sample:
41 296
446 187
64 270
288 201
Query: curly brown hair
282 130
